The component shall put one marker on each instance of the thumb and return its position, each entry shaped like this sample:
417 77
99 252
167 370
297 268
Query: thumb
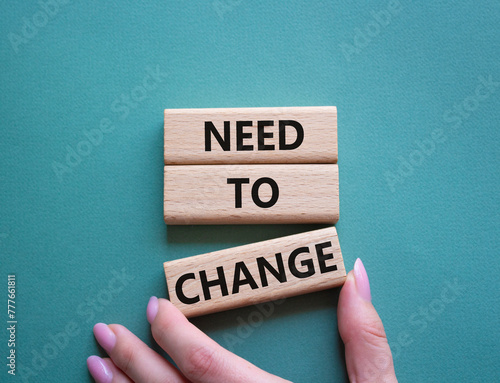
367 353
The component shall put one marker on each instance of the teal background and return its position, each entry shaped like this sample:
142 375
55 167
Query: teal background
65 237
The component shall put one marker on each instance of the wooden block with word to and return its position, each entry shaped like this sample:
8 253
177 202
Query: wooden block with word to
256 273
251 194
251 135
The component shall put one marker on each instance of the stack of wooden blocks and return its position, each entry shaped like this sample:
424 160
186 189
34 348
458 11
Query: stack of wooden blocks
253 166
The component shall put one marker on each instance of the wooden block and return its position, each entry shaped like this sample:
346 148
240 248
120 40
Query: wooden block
238 194
260 272
251 135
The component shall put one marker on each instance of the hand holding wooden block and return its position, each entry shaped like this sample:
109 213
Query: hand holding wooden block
260 272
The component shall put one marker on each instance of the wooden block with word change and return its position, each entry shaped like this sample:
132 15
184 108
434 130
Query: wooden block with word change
251 135
251 194
256 273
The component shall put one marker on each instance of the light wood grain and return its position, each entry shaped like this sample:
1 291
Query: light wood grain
325 271
185 135
200 194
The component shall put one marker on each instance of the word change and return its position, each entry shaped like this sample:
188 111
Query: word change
256 273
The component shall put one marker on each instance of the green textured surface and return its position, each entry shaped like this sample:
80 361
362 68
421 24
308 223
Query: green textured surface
66 236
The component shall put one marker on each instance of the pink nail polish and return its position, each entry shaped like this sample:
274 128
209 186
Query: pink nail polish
99 370
362 282
105 337
152 309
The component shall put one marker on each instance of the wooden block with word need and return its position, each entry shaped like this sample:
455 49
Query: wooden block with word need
251 135
256 273
251 194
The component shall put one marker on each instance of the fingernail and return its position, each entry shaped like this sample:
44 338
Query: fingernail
99 370
105 337
362 282
152 309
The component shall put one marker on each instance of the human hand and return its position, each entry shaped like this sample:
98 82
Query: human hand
200 359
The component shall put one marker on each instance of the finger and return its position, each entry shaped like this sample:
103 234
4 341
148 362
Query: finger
105 371
135 358
368 356
200 358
